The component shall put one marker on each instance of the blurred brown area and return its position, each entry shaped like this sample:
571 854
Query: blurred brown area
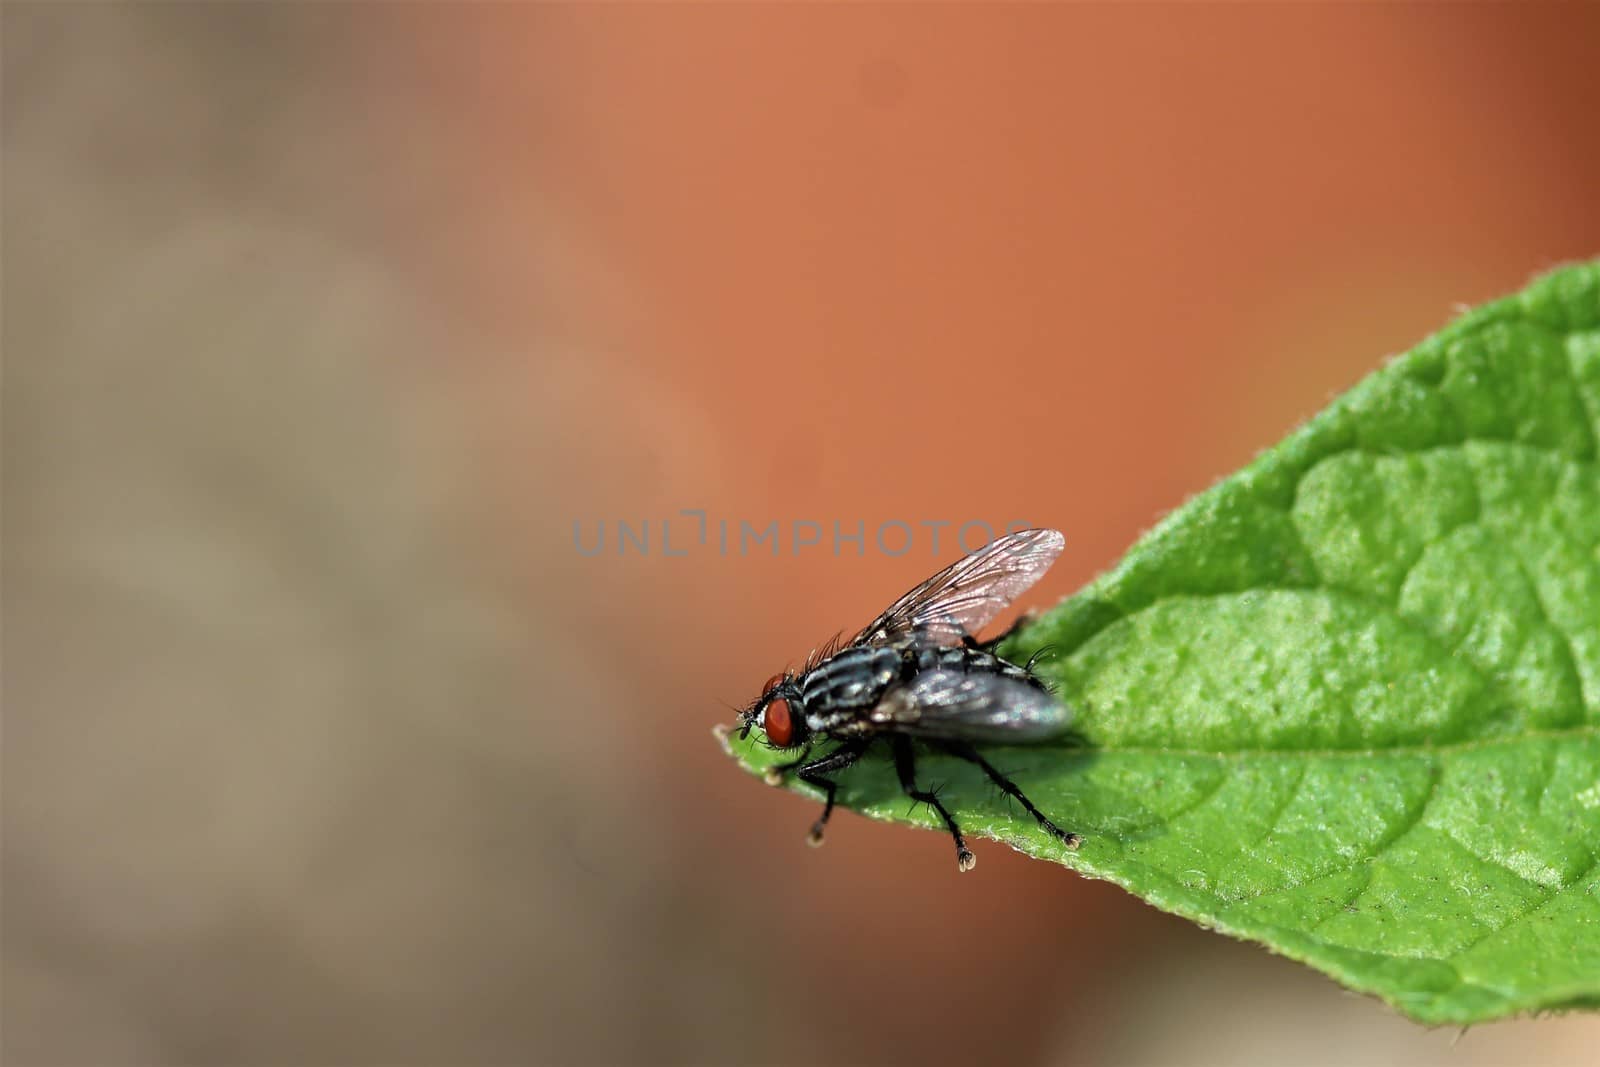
324 324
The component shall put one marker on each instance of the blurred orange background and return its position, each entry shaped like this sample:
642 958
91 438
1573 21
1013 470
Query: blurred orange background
326 324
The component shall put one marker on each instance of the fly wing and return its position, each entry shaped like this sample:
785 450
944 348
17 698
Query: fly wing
981 708
963 598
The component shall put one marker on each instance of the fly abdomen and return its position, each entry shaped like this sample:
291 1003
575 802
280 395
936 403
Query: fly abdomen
969 661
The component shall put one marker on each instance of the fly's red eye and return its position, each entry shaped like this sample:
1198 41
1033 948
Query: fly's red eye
770 684
779 724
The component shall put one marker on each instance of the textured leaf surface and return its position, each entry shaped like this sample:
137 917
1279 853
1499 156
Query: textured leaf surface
1347 702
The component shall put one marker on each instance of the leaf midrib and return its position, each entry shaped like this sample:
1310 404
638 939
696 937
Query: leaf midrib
1583 731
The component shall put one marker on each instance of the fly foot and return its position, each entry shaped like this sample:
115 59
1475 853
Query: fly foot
1072 841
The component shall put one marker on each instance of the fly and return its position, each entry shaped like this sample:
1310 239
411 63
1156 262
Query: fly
918 673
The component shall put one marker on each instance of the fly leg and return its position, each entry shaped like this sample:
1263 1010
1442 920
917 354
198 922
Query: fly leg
962 750
905 765
775 774
812 773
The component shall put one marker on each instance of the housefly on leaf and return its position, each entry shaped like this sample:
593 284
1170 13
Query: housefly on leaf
918 673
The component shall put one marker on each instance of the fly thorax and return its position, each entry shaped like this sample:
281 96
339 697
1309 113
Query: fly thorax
848 682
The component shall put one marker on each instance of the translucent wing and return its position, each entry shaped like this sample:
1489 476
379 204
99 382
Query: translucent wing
981 708
964 597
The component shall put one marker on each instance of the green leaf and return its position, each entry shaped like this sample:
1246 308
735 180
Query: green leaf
1347 702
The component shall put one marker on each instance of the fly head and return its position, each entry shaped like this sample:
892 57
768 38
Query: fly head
777 712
